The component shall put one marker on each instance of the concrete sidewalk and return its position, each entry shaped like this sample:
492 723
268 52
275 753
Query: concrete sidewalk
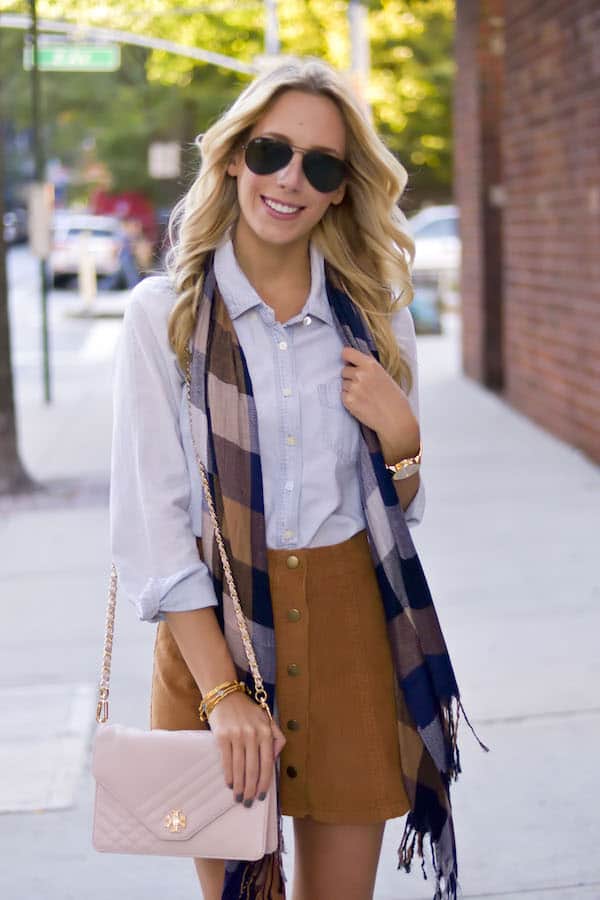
509 543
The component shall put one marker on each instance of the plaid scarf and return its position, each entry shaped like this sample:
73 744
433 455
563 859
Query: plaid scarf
427 697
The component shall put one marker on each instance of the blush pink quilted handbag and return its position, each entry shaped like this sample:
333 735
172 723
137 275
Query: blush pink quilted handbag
163 792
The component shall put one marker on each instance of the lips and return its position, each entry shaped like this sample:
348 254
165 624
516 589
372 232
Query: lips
281 209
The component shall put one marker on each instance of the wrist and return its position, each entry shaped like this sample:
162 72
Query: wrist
217 695
397 447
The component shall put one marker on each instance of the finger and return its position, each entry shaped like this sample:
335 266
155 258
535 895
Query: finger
279 740
355 357
266 764
349 373
227 762
239 764
252 769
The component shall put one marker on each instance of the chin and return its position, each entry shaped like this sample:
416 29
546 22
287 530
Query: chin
280 236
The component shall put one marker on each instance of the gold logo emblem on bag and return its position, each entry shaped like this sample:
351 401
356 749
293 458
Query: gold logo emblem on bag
175 820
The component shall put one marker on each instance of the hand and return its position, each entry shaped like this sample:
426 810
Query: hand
376 400
249 744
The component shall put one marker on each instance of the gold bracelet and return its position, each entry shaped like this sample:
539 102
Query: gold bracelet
216 695
208 707
220 687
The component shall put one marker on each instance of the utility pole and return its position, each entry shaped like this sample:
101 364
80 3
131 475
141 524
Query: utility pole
271 28
360 50
40 166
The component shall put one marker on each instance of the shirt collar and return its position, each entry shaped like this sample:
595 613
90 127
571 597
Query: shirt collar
240 296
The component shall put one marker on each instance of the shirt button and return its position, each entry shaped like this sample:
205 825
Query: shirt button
306 320
293 725
290 440
292 771
287 392
283 345
289 486
293 670
288 535
294 615
292 562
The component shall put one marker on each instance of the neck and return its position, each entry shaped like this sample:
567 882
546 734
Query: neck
274 271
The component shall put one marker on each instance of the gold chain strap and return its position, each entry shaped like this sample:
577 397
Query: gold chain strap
260 694
104 686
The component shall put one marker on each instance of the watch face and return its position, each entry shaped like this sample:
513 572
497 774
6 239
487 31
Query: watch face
406 472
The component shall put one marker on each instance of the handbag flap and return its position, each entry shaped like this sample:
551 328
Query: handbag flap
171 781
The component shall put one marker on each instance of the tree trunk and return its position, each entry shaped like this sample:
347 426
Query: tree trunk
13 477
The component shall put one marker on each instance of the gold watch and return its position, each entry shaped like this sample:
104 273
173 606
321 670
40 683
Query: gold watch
406 467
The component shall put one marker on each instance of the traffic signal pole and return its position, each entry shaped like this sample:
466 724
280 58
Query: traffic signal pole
359 48
40 166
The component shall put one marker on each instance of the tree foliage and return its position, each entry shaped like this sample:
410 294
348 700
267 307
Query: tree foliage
160 96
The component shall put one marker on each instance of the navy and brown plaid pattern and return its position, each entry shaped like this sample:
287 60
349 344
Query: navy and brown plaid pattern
427 698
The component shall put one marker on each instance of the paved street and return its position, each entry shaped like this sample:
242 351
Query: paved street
509 542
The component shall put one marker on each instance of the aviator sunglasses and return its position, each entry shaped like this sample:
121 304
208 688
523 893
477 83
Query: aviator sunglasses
265 155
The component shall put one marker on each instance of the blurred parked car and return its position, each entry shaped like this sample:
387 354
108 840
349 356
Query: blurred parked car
77 233
436 267
435 232
15 226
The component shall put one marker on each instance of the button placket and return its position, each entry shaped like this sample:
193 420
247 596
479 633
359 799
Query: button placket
288 404
294 671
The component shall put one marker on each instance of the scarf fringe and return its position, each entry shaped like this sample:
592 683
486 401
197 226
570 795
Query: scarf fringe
450 716
475 735
261 879
446 883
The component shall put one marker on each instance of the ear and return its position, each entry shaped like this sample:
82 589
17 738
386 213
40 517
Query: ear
235 162
339 194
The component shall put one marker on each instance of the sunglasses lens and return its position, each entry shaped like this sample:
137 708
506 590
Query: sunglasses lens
265 155
324 172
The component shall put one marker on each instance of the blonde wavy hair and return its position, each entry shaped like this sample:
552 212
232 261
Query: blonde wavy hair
363 241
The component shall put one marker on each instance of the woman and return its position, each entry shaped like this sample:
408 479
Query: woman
303 387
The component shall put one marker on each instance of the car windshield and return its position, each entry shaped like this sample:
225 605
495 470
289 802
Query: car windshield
441 228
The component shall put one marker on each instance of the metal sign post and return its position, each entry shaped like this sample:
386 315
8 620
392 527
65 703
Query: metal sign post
39 177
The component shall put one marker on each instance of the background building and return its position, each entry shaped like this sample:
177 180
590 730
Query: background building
527 179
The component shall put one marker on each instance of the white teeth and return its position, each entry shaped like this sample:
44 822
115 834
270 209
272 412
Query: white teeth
281 207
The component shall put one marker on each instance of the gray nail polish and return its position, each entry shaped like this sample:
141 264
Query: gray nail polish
262 795
247 803
239 798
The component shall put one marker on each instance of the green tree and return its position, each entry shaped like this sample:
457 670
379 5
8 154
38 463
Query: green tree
157 94
13 477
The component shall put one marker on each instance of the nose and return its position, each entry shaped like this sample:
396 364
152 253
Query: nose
291 175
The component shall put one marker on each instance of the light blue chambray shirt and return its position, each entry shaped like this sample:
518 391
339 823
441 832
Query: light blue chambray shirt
309 442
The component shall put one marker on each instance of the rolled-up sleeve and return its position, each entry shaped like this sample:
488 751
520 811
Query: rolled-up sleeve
404 330
152 542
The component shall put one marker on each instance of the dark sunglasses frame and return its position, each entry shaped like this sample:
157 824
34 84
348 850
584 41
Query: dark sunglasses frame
323 171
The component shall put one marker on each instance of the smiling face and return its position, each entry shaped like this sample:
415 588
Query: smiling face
283 208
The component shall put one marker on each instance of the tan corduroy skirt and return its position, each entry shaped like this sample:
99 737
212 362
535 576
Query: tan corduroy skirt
335 687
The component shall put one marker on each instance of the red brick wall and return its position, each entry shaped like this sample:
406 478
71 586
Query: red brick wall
551 155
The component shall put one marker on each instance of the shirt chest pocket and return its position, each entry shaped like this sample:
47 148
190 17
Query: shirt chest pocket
339 429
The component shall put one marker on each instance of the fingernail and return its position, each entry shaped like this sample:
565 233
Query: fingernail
262 795
230 786
239 798
247 803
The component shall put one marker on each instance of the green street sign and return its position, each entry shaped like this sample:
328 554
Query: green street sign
74 57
